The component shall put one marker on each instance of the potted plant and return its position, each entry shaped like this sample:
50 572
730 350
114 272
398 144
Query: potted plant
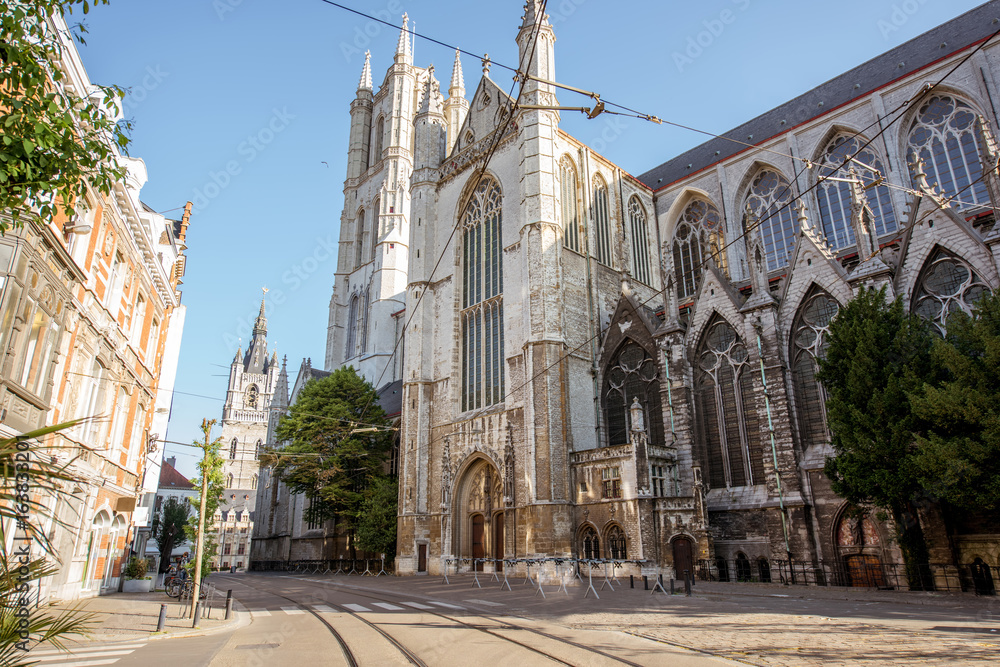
136 580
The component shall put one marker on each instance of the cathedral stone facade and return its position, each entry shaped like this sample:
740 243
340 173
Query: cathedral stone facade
605 365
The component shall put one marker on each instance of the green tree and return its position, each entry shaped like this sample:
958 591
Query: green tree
338 442
169 525
209 467
877 355
376 530
29 480
55 141
959 448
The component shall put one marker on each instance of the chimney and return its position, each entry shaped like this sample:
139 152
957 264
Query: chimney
171 461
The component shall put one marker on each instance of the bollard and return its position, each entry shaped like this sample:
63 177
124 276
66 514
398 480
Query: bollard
671 586
631 581
162 621
229 607
197 614
645 583
659 579
687 583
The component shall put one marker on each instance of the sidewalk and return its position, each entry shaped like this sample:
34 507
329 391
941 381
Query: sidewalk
134 616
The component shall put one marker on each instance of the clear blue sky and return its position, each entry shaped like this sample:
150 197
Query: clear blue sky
263 89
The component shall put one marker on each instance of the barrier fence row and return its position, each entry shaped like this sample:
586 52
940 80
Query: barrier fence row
371 567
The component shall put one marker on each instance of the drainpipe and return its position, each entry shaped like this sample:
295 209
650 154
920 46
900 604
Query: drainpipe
774 452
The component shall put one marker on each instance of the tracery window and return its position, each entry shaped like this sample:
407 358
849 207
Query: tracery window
632 373
366 306
944 135
616 543
569 205
727 412
482 298
591 543
948 284
768 200
232 448
640 241
698 234
352 331
835 196
809 341
359 239
602 221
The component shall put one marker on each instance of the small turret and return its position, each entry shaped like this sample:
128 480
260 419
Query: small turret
430 131
456 107
365 83
361 123
403 55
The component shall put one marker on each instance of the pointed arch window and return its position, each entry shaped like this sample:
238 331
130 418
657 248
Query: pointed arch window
639 230
602 221
948 284
632 373
569 205
482 299
944 135
768 199
359 238
259 448
373 231
809 341
253 481
232 448
835 196
698 234
617 548
726 410
377 143
229 483
366 306
352 331
590 543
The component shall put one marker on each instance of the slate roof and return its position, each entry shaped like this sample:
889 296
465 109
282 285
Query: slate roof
390 397
956 35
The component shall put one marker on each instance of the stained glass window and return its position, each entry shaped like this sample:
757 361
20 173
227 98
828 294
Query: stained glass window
698 234
632 373
569 205
948 284
809 341
640 241
602 221
768 200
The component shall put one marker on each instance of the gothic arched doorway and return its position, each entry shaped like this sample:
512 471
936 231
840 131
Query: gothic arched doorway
683 557
860 548
478 512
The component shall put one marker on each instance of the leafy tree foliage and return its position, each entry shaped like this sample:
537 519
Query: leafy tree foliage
959 450
878 355
169 526
376 531
338 442
54 140
210 466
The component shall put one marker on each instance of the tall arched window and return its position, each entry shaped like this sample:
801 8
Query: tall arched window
569 205
377 143
944 135
947 284
259 448
727 413
366 306
373 233
809 344
590 543
640 241
835 196
482 298
616 543
232 448
768 200
229 481
350 350
359 238
360 318
253 481
698 234
632 373
602 221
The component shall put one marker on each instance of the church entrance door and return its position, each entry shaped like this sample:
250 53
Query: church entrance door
478 545
498 540
682 557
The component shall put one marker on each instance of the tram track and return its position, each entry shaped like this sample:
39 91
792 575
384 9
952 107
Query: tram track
502 624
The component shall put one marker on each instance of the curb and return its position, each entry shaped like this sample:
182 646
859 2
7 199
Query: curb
241 619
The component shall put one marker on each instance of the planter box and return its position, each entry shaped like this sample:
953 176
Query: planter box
137 586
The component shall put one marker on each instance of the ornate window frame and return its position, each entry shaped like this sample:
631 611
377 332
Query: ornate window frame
639 237
768 198
697 235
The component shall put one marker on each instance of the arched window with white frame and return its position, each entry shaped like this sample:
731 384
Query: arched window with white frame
697 236
482 298
943 135
639 237
834 196
768 199
569 205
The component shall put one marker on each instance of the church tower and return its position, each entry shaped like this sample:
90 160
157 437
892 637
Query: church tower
252 381
368 301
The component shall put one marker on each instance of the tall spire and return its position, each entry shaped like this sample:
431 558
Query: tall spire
457 87
403 47
366 73
260 325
